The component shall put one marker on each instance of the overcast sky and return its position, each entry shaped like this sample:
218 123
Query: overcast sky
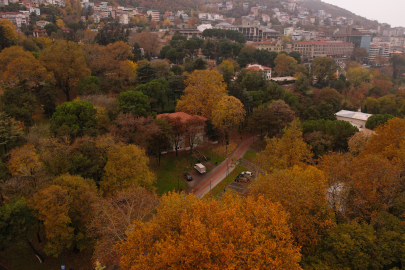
388 11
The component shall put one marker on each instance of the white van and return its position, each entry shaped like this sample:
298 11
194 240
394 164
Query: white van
200 168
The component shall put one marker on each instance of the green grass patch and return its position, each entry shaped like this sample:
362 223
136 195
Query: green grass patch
214 157
170 171
220 187
249 155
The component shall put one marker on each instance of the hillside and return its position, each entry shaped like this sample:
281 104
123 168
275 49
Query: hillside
339 12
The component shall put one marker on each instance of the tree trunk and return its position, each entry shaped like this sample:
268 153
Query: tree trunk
39 228
39 257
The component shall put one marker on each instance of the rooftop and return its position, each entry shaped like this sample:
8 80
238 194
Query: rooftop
353 115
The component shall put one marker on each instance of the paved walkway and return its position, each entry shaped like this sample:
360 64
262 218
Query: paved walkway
214 177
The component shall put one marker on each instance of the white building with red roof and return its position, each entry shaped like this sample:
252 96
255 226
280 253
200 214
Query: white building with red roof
265 70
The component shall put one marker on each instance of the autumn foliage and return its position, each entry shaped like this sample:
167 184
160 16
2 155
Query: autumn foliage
187 233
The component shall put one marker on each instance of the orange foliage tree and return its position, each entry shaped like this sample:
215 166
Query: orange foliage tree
187 233
113 216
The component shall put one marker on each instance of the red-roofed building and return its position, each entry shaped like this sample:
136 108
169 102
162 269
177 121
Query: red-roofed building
39 32
193 129
265 70
323 48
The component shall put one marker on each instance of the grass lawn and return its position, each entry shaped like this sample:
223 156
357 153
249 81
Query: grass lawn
214 157
249 155
169 172
220 187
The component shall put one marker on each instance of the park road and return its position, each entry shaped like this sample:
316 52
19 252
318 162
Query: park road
218 174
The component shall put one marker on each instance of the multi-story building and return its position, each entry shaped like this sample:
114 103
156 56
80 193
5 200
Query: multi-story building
254 32
288 31
323 48
16 18
3 3
210 16
358 37
37 11
380 49
245 5
275 45
154 14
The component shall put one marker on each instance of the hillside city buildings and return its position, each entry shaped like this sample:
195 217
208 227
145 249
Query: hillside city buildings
263 26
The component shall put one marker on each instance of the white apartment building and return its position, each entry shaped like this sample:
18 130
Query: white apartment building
16 18
37 11
154 14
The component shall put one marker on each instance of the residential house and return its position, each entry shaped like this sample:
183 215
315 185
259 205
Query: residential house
39 32
255 11
229 5
265 70
245 5
3 3
265 18
42 23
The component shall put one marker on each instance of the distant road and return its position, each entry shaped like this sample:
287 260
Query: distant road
219 173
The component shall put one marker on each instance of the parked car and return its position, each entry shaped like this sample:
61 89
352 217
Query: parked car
187 176
200 168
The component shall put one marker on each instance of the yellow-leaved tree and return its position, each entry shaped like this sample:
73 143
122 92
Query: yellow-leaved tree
227 114
285 65
126 166
24 161
10 36
302 193
232 233
287 151
17 65
67 62
64 207
204 89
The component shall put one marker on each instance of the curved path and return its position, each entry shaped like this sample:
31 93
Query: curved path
219 173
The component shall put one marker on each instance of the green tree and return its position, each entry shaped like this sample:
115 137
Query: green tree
134 102
75 119
377 119
340 131
302 85
156 90
146 73
89 86
19 104
324 69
